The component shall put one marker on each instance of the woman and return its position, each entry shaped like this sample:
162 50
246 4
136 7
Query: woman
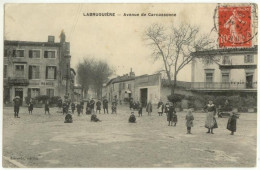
210 122
189 121
149 108
170 114
232 123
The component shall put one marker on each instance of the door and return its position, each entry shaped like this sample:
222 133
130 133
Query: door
249 81
143 96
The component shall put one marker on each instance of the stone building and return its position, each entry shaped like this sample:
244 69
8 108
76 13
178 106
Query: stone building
37 68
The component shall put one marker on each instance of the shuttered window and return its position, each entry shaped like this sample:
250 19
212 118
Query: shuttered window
51 72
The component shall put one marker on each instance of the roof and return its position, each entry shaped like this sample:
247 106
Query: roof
31 43
223 51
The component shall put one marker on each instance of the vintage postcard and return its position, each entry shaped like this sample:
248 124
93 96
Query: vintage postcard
143 85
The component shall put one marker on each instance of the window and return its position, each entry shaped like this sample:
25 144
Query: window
33 92
50 92
34 72
225 77
249 58
49 54
18 53
209 77
34 54
5 71
226 60
19 71
50 72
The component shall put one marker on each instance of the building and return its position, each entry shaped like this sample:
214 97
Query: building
37 68
233 71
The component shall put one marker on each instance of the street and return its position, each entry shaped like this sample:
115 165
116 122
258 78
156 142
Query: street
40 140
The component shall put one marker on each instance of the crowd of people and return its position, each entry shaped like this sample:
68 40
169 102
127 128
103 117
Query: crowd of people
168 108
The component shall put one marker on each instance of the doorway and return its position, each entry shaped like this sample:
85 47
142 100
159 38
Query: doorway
143 96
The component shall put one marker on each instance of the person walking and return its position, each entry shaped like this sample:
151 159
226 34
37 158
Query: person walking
149 108
210 122
17 104
189 121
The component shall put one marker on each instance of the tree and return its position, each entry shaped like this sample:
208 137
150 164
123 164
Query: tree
173 46
93 73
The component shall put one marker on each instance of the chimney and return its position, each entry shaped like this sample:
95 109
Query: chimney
51 39
62 37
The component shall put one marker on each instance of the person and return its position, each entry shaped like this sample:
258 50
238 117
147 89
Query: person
132 118
82 105
170 114
30 106
94 118
17 103
166 108
60 103
47 107
113 107
210 122
189 121
149 108
131 103
79 108
92 105
64 108
232 123
72 107
98 106
140 109
105 105
68 118
174 117
160 107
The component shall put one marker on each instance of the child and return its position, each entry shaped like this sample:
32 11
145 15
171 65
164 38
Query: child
113 107
232 123
94 118
167 108
64 108
149 108
79 107
30 106
47 109
140 109
174 117
132 118
72 107
98 106
68 118
189 121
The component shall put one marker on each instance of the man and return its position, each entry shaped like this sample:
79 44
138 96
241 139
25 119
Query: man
105 105
17 103
92 105
98 106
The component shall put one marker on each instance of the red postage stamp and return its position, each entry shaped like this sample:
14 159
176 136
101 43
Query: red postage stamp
234 26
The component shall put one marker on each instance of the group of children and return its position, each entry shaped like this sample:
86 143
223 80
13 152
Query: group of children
31 105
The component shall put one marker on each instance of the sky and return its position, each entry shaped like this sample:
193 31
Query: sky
119 40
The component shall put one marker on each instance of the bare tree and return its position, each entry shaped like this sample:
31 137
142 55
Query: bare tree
174 46
93 73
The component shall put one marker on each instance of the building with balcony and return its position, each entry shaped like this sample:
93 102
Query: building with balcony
37 68
233 71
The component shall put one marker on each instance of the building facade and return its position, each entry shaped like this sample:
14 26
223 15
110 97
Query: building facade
233 71
36 68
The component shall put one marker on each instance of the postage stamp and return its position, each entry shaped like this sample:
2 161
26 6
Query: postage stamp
235 26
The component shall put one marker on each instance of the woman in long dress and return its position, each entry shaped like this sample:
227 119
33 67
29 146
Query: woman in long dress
210 122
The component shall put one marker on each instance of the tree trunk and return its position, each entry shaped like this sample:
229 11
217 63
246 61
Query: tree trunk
173 86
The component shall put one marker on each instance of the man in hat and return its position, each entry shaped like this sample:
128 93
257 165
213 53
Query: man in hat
17 103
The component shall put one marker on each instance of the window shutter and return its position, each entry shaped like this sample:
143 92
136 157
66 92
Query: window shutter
30 72
55 72
30 54
45 54
46 72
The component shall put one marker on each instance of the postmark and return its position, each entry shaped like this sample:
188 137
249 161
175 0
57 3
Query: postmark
234 26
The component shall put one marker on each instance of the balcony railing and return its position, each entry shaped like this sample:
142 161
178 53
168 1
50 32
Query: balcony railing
223 85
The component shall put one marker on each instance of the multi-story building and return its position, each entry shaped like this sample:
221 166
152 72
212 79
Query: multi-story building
233 71
36 68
